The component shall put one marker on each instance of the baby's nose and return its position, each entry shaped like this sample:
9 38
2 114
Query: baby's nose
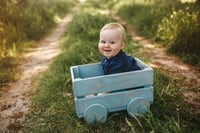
107 45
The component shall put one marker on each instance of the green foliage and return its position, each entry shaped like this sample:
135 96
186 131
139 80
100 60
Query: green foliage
180 33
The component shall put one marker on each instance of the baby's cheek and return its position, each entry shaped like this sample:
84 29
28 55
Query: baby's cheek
100 48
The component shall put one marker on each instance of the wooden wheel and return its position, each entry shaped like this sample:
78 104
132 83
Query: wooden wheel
138 106
95 112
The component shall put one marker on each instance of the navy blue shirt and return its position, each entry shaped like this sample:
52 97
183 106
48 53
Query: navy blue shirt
119 63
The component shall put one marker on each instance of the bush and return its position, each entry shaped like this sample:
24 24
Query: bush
180 32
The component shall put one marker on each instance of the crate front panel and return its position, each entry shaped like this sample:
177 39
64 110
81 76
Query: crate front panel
113 101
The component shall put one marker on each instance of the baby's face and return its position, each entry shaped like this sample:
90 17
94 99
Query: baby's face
110 42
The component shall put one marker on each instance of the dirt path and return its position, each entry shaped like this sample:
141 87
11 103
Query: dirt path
15 99
172 66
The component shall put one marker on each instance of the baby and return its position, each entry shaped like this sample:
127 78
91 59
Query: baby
111 43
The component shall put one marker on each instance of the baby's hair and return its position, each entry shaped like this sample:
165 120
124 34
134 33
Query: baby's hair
115 26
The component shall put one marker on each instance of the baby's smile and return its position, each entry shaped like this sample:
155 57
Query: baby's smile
107 50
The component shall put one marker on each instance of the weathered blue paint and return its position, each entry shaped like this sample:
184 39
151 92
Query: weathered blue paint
97 94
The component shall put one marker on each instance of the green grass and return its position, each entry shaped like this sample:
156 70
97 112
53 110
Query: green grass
8 71
53 108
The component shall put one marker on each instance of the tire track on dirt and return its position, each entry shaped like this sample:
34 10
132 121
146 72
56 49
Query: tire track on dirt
16 99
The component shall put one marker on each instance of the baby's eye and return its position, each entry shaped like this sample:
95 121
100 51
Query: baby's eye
112 42
103 42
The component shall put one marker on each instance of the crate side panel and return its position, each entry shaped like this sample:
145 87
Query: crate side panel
113 82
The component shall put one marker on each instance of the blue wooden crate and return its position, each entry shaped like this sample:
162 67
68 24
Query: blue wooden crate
97 94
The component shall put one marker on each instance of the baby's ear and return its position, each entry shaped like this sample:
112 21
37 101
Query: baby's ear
123 44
